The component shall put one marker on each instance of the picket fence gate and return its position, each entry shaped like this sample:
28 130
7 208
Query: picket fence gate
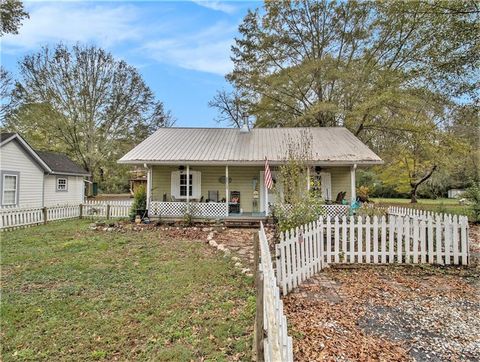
272 331
12 218
304 251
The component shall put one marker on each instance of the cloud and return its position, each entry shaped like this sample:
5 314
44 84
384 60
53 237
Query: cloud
207 51
74 22
217 5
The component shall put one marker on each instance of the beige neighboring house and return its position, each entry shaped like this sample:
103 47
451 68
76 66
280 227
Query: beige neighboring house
32 178
219 172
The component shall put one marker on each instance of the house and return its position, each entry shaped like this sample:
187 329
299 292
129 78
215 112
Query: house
32 178
223 168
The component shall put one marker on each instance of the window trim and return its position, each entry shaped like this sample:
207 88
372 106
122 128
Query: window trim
196 184
66 184
15 174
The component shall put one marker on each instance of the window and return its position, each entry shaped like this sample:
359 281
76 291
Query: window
179 185
10 189
62 184
183 185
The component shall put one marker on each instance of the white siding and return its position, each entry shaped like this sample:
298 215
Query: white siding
73 195
14 158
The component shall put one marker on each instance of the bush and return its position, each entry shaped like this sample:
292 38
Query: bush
305 209
139 201
473 195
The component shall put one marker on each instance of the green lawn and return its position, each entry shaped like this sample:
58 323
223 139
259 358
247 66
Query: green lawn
450 206
69 293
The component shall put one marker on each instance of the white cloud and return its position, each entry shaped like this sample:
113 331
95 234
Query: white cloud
217 5
74 22
207 51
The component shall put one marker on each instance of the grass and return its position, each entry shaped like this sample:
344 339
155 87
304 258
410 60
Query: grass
69 293
449 206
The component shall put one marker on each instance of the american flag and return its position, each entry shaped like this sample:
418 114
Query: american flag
268 176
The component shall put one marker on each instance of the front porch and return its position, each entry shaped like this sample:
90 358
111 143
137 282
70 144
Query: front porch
221 192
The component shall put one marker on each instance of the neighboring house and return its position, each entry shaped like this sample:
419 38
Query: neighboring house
223 169
32 178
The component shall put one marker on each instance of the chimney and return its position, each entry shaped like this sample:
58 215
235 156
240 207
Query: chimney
244 128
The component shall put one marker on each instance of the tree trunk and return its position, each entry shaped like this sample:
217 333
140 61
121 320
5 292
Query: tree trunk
414 185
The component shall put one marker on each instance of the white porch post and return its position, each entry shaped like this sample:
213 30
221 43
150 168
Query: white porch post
353 192
226 189
188 188
266 195
308 178
149 188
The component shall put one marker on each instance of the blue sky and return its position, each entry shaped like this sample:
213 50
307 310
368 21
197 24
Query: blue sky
182 48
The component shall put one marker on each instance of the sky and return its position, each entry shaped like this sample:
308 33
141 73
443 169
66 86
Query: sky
182 48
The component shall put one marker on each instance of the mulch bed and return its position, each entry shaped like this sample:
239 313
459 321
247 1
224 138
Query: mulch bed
389 313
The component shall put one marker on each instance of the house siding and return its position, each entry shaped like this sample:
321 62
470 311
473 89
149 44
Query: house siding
14 158
242 180
340 181
73 195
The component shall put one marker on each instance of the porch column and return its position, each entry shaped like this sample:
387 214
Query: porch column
353 192
308 178
226 189
188 188
149 188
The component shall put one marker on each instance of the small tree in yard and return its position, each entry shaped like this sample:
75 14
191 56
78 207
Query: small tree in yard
473 195
139 202
297 206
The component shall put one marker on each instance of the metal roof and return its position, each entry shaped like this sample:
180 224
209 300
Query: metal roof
329 145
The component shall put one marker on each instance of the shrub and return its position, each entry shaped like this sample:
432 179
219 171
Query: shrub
139 201
473 195
305 209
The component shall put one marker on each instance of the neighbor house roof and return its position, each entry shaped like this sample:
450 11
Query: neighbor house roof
61 164
50 162
329 145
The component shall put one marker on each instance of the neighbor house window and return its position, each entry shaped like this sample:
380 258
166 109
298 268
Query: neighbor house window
183 185
10 189
62 184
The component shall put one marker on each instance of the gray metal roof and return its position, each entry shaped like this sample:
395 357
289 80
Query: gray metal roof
329 145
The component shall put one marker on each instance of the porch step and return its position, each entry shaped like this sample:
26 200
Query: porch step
243 222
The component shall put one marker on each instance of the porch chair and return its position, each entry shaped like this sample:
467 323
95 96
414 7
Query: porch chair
213 196
234 204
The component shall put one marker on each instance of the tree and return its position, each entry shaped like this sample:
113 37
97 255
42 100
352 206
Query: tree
6 87
84 102
11 14
327 63
231 108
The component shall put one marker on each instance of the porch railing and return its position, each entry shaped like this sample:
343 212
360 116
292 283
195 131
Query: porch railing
196 209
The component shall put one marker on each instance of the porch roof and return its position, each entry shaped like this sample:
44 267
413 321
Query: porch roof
329 146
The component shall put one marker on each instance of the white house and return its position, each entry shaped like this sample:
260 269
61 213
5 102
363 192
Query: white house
30 178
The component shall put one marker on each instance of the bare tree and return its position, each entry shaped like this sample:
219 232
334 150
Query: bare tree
231 109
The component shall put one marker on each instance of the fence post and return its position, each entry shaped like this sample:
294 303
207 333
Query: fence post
108 211
259 322
81 212
44 209
256 256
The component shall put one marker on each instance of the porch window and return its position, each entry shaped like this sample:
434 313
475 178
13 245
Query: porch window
179 185
183 185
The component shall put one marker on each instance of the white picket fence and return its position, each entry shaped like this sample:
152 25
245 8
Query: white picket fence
11 218
303 251
277 345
